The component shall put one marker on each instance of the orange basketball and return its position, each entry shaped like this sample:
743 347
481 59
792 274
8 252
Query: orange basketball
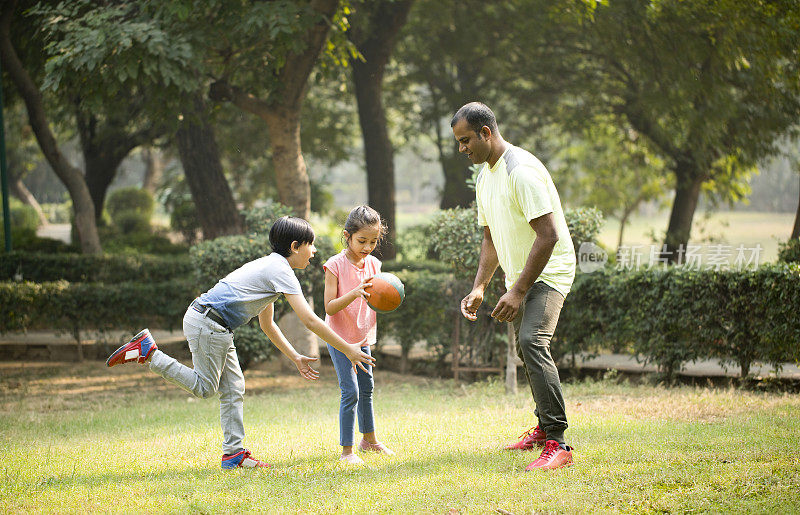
386 292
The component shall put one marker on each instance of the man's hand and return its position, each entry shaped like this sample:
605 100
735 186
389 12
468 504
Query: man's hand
358 357
471 303
508 306
302 364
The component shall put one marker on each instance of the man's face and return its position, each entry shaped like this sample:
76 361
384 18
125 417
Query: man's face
476 146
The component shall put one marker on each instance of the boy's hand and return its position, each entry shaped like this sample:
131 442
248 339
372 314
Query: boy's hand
358 357
302 364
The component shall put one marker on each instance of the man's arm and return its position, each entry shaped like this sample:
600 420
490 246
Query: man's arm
546 239
487 265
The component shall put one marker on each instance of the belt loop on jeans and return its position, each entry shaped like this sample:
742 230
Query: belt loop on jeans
211 313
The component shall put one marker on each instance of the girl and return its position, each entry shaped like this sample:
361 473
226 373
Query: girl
346 276
209 323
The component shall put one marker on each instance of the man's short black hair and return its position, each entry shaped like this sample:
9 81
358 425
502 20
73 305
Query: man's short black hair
477 115
287 229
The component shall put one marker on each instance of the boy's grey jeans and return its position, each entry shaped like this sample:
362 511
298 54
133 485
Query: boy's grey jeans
534 327
216 370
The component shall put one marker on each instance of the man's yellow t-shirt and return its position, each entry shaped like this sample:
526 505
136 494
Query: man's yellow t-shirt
516 190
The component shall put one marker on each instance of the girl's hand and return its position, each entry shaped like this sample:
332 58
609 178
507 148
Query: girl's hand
302 364
358 291
358 357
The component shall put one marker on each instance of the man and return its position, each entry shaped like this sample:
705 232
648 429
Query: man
525 233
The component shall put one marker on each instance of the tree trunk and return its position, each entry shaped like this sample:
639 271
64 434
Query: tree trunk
19 190
282 111
106 144
405 359
455 168
687 193
71 176
383 21
378 149
153 169
291 174
796 228
622 222
101 168
199 154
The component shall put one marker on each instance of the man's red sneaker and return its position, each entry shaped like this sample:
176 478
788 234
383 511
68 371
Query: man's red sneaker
533 437
139 349
553 457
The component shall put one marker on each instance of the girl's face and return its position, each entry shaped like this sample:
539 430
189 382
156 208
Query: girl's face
363 242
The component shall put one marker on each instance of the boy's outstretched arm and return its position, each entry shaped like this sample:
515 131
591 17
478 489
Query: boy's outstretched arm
267 322
315 324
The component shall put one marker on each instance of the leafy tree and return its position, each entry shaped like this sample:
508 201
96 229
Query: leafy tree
446 58
133 79
261 55
29 91
21 157
614 171
710 84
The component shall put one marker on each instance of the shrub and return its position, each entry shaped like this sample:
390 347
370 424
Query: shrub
679 315
789 251
412 243
130 200
79 307
584 224
259 220
136 243
417 266
22 217
58 213
455 238
183 219
127 222
26 240
46 267
252 345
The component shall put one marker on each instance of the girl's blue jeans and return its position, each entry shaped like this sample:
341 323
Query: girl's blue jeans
356 396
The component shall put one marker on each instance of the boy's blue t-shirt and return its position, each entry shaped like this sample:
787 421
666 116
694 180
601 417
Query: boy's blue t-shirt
245 292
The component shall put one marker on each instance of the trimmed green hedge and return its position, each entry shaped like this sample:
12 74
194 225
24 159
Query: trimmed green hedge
666 317
112 269
675 316
80 307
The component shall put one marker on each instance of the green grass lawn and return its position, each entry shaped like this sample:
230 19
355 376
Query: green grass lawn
83 438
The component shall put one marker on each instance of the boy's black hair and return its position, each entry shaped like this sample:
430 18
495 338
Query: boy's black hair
287 229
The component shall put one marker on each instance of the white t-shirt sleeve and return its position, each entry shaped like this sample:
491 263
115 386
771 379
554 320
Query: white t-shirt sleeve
284 281
530 192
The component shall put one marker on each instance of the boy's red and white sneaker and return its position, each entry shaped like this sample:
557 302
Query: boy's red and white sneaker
552 457
533 437
375 447
241 459
139 349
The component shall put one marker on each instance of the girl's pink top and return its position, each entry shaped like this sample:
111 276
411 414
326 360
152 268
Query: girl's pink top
356 321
